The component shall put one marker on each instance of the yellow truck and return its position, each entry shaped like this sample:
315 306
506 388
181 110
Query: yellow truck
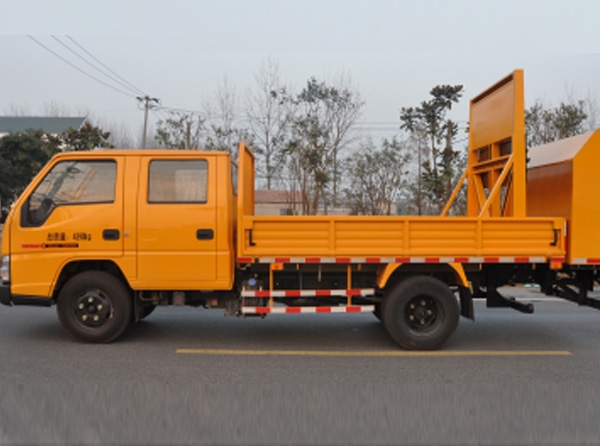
107 236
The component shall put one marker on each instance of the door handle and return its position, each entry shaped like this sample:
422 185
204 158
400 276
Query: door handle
205 234
111 234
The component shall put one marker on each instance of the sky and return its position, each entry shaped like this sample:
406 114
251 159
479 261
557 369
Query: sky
394 51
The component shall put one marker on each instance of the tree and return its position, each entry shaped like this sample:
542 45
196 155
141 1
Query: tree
120 135
320 119
591 110
87 137
180 131
377 177
268 123
17 110
56 109
222 131
547 124
22 155
429 120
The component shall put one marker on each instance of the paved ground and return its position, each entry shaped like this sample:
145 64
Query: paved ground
188 376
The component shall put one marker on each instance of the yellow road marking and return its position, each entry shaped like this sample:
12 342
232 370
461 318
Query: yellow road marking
401 353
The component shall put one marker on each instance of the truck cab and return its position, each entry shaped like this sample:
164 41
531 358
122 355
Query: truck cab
156 219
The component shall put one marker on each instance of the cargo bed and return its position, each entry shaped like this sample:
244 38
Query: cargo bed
389 239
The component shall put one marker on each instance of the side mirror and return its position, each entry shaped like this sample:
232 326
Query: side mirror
3 215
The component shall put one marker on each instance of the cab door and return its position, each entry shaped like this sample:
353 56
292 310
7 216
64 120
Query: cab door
177 218
73 213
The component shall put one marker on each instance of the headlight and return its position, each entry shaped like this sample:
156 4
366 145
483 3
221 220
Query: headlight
5 270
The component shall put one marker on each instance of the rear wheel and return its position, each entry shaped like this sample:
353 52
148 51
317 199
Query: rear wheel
420 313
94 306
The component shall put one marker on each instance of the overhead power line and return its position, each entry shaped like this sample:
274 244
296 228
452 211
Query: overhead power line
124 81
135 92
80 57
182 110
79 69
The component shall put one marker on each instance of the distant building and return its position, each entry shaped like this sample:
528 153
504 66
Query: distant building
281 202
277 202
51 126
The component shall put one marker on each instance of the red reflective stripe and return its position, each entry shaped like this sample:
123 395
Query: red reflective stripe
593 261
306 310
307 293
374 260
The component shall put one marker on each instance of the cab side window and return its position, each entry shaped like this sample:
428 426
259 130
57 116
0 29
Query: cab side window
178 181
70 183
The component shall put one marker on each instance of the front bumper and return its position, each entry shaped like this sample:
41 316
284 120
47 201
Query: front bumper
6 298
5 294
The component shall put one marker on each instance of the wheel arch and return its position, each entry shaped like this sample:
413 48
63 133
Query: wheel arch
75 267
449 273
452 274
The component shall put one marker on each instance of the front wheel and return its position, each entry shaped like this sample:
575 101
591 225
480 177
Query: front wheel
420 313
94 306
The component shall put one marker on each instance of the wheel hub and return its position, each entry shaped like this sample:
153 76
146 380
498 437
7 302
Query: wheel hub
421 313
92 308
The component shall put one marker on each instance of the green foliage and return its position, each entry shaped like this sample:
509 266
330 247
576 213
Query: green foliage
319 120
180 131
428 121
377 177
87 137
189 131
22 155
223 137
544 125
267 120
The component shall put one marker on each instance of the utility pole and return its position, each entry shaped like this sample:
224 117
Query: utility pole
148 104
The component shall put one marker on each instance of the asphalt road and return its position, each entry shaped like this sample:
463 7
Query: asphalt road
192 376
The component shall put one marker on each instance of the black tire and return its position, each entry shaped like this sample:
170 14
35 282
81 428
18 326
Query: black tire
94 306
420 313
